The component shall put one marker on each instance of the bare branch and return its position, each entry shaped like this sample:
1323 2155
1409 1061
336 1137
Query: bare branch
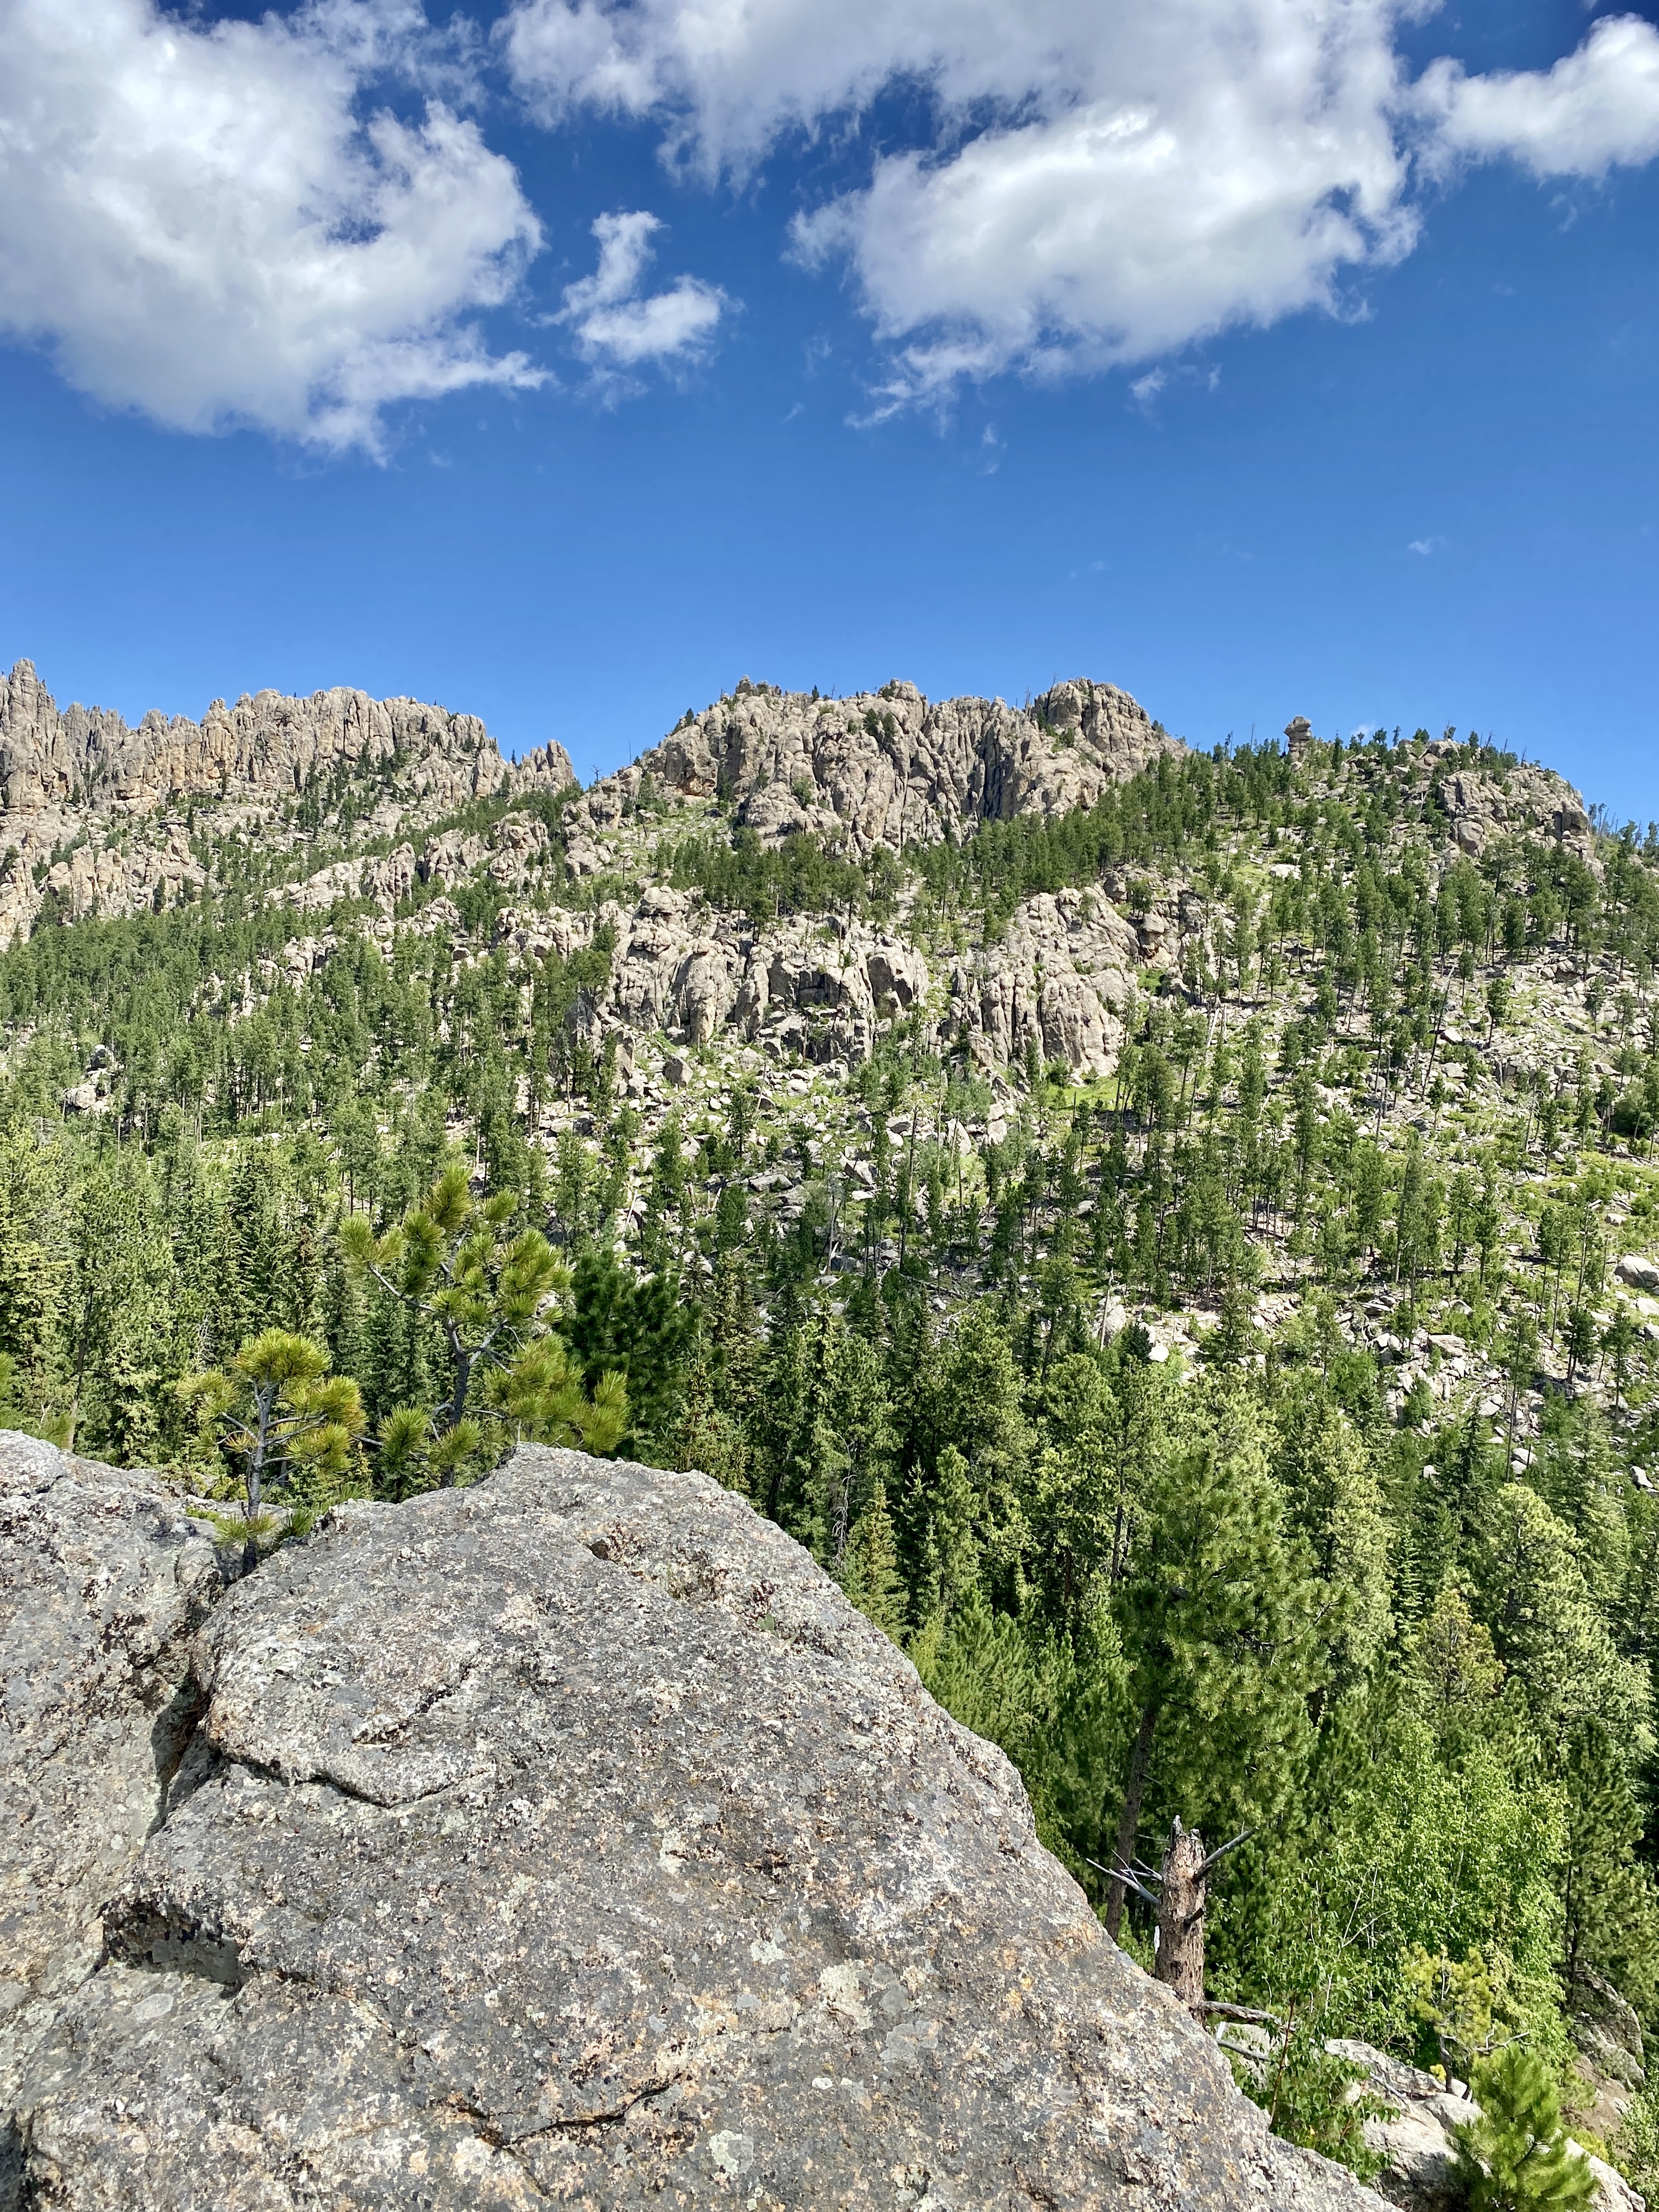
1222 1852
1124 1875
1247 2014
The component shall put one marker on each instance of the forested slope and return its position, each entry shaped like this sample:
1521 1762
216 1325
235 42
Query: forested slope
1168 1230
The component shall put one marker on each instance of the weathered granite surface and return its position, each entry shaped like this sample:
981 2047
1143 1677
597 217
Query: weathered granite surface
103 1582
893 768
570 1839
265 744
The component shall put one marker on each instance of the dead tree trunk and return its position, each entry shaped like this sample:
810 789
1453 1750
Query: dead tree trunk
1181 1901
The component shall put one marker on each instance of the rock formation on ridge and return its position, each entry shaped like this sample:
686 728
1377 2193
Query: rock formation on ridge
891 768
568 1839
118 805
263 745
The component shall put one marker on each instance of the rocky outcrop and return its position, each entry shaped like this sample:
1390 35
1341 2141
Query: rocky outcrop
104 1579
1610 2063
1485 804
569 1838
266 745
97 817
1061 978
891 768
1062 975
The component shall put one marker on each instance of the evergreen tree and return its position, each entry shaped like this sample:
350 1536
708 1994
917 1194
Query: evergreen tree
870 1573
1220 1619
1515 2157
454 1265
278 1412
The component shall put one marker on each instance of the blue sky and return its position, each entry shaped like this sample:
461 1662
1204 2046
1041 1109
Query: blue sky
1300 360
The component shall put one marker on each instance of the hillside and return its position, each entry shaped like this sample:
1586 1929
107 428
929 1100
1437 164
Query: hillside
1171 1232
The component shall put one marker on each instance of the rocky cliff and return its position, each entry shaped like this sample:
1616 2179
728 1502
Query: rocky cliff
350 802
264 746
891 768
111 820
568 1839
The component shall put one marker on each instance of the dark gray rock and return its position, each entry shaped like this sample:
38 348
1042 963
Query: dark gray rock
570 1839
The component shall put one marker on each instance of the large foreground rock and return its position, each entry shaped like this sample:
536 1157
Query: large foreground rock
103 1582
570 1839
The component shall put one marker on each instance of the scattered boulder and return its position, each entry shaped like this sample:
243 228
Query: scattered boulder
1414 2136
1637 1272
570 1839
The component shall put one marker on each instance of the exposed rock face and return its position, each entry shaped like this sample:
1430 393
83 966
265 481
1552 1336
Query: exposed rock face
264 744
571 1839
81 778
891 768
1524 801
1610 2062
1061 978
103 1582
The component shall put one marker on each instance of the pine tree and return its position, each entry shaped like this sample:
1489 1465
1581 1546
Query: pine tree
278 1412
1515 2157
456 1266
1219 1617
869 1573
1610 1919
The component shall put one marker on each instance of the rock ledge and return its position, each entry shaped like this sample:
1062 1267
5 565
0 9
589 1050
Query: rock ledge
570 1839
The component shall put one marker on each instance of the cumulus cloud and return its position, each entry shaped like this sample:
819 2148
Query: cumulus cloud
1104 181
616 327
1598 108
201 223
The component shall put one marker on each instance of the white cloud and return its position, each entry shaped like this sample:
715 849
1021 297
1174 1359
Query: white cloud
1598 106
1425 546
616 327
1106 180
200 223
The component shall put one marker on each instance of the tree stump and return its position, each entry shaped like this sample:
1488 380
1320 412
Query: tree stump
1181 1902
